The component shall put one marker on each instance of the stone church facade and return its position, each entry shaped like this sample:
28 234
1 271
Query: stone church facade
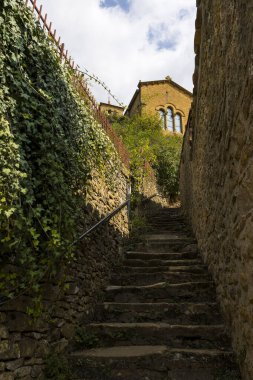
170 100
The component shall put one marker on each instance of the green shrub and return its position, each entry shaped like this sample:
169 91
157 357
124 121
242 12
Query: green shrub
86 339
167 165
147 143
56 367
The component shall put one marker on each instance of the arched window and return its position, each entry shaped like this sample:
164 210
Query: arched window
162 117
170 119
178 123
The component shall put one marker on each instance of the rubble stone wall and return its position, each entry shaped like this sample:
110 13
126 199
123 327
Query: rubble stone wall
217 161
71 295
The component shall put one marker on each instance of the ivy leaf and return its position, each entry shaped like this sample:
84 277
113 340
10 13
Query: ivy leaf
6 171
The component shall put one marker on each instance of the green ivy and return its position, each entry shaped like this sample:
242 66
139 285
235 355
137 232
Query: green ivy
49 144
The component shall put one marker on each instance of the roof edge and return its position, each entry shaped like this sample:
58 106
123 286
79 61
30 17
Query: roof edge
133 99
111 105
166 81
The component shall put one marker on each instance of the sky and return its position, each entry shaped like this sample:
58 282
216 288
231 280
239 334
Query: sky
125 41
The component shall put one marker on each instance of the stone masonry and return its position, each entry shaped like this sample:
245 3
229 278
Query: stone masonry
24 342
217 161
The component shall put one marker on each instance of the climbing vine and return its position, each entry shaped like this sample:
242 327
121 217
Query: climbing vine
49 144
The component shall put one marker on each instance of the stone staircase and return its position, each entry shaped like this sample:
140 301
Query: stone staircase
160 319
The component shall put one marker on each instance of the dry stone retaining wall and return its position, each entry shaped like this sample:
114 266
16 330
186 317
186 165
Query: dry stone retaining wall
24 342
217 161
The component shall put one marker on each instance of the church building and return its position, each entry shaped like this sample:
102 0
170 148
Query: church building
170 100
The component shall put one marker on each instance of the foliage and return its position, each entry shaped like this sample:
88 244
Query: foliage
147 143
167 165
85 339
227 374
49 144
56 367
140 134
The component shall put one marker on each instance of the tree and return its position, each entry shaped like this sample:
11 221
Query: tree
147 143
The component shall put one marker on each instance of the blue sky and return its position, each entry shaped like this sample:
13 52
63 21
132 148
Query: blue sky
124 41
123 4
160 36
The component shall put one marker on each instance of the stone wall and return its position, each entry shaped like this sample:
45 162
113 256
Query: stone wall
134 107
217 161
152 200
70 296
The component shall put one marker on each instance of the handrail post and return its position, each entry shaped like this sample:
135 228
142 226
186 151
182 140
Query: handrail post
128 197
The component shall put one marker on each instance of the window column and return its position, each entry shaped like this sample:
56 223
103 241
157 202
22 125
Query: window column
170 121
162 118
178 123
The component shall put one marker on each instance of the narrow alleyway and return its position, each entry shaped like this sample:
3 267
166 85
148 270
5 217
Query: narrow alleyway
160 319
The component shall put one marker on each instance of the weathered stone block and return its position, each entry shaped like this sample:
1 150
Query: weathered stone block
20 322
3 332
23 372
2 317
68 331
6 376
9 351
2 366
13 365
28 347
36 371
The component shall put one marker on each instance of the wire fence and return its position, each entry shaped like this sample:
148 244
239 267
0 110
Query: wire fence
79 81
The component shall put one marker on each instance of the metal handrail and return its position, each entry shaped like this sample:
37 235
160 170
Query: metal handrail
111 215
4 299
102 221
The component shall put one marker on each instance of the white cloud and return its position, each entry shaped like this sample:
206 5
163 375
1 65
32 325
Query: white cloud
116 45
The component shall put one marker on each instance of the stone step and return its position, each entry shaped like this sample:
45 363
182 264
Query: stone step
152 363
143 333
160 263
202 269
163 229
153 278
168 223
167 228
166 246
173 313
163 292
169 236
166 219
170 228
161 256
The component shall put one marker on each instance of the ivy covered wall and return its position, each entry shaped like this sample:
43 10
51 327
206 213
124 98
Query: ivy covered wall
49 145
59 173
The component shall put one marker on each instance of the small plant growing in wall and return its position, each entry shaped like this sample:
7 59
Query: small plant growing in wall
85 339
56 367
227 374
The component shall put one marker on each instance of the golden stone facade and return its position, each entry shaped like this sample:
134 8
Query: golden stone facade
111 109
165 97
